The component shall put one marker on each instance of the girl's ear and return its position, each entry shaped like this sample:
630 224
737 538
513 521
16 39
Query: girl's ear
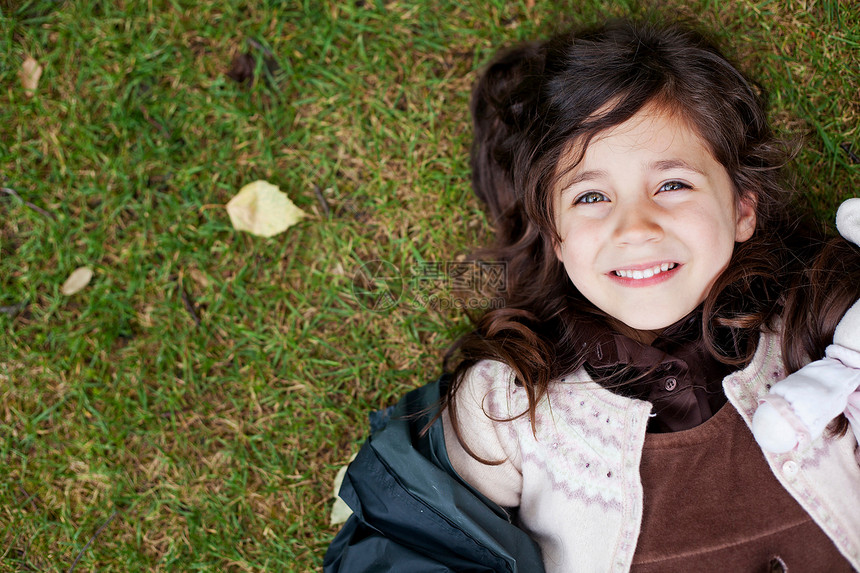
746 217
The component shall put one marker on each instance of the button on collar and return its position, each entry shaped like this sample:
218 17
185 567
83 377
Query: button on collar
790 468
670 384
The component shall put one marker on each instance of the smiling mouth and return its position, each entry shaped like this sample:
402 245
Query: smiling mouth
639 274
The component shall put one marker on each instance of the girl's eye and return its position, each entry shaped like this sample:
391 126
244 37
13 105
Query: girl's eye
590 197
673 186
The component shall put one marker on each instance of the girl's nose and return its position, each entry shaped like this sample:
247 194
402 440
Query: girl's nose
638 223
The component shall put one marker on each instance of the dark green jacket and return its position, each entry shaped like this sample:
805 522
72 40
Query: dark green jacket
412 512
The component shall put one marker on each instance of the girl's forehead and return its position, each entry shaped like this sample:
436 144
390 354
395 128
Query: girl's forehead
655 128
650 130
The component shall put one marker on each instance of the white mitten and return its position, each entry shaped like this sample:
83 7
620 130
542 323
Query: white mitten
798 409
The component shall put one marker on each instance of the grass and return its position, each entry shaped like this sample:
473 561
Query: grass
189 409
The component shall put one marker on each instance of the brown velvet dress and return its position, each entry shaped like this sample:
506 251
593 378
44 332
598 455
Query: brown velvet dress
711 503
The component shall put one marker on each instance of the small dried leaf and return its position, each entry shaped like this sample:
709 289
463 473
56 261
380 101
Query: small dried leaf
199 277
79 278
262 209
340 511
242 68
30 73
244 65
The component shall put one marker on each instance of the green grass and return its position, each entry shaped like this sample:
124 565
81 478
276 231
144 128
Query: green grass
136 437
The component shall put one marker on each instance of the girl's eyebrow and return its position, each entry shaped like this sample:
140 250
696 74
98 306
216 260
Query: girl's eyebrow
667 164
661 165
589 175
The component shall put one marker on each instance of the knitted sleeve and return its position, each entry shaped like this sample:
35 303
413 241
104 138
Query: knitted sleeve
482 406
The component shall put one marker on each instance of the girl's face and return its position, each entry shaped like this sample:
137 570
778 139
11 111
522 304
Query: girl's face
648 220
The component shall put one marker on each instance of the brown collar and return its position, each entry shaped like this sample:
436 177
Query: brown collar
680 378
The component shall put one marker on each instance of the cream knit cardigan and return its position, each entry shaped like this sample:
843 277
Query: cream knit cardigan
576 483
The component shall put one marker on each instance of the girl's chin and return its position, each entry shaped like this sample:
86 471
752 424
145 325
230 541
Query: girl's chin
646 329
643 335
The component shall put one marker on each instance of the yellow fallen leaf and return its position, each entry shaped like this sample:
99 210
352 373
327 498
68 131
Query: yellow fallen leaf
29 74
79 278
340 511
262 209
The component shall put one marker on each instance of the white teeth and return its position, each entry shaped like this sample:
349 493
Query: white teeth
646 273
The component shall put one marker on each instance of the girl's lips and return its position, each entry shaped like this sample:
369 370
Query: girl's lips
644 275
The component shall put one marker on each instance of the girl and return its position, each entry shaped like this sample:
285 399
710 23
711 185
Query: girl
658 283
